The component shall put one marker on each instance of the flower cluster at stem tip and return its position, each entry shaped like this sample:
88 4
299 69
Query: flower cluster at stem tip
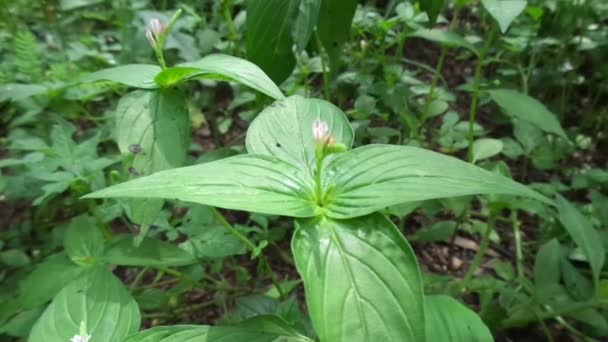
154 31
325 142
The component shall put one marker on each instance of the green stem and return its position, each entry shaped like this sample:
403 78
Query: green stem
218 216
519 256
476 84
318 171
233 36
483 247
323 66
137 279
549 314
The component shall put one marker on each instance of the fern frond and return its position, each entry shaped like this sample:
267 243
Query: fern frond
28 56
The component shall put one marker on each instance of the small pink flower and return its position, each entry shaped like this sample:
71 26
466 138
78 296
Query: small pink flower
320 131
154 31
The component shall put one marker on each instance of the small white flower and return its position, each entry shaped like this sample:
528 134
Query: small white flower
320 130
81 338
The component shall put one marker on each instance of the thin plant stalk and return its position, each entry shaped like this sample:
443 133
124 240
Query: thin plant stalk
483 247
476 85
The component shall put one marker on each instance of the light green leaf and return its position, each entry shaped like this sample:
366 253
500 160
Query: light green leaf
257 183
224 67
16 92
150 252
132 75
523 107
485 148
335 21
213 242
284 130
194 333
373 177
47 279
306 21
449 321
269 38
99 300
361 279
83 240
585 236
504 11
152 128
432 8
443 37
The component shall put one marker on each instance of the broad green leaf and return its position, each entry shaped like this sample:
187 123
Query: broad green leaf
547 269
257 183
47 279
485 148
153 128
224 67
432 8
306 22
504 11
83 240
361 279
212 242
523 107
21 324
547 265
578 285
132 75
449 321
583 233
269 37
97 300
284 130
443 37
176 333
194 333
335 20
174 75
151 252
16 92
373 177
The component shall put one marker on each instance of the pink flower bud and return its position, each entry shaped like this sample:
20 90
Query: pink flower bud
150 37
319 131
156 26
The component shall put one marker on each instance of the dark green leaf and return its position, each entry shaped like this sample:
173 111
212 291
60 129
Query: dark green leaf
585 236
269 38
523 107
335 20
449 321
432 8
361 279
373 177
150 252
257 183
306 22
547 265
224 67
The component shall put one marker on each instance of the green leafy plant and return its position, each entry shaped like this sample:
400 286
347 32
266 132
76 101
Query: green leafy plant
299 165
